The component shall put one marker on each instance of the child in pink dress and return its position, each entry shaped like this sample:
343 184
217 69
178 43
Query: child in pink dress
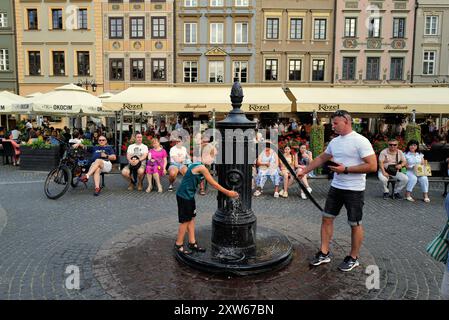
156 164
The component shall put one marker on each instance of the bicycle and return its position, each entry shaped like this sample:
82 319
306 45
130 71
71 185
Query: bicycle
72 165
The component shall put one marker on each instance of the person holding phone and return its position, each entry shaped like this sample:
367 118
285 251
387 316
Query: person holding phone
354 156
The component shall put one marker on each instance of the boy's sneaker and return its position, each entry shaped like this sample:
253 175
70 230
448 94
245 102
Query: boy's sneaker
257 193
276 195
170 188
97 191
386 195
303 196
348 264
321 258
309 189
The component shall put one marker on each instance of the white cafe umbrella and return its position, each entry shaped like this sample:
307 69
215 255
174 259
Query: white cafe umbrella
68 100
10 103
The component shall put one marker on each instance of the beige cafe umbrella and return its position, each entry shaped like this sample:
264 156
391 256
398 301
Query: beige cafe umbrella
68 100
11 103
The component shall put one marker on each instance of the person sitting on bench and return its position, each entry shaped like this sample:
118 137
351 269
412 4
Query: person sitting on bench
102 155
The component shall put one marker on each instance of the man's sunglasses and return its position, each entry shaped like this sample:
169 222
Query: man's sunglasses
101 139
340 113
392 145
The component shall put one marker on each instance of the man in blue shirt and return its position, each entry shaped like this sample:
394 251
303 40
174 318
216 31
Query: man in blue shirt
102 155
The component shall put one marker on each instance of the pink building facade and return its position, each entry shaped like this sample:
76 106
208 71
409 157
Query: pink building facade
374 42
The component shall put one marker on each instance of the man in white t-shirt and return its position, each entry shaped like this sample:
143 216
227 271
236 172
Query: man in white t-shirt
136 154
15 134
179 160
353 157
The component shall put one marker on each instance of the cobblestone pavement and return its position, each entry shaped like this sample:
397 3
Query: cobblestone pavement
122 241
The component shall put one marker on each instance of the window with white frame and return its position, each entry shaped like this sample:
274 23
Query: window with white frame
350 27
190 32
241 32
399 27
4 60
190 71
431 26
240 71
429 62
271 69
374 28
319 29
216 3
216 71
3 20
318 68
272 28
294 69
296 28
190 3
82 19
216 32
241 3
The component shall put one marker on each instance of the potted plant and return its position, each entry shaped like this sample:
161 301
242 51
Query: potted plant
39 156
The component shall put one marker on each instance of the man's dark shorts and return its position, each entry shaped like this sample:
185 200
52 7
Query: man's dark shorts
186 209
352 200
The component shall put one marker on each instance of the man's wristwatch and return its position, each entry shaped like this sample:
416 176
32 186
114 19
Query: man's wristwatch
346 170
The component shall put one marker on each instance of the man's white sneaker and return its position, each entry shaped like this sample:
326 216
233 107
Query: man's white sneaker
309 189
303 196
276 195
257 193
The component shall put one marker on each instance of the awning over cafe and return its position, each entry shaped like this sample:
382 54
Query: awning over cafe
372 100
198 99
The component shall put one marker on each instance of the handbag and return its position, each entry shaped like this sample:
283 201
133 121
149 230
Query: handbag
423 170
391 168
439 247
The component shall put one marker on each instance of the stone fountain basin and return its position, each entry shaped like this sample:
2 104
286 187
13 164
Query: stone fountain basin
273 251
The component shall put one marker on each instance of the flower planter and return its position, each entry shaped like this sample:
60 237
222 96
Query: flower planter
39 159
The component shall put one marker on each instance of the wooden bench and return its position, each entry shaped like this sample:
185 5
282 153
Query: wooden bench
439 174
117 167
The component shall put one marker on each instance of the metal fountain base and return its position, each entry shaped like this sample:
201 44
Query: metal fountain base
273 251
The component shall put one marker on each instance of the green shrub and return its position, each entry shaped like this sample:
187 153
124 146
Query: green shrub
86 142
413 132
317 142
39 144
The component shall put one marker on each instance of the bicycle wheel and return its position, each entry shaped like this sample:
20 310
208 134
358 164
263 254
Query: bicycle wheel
57 182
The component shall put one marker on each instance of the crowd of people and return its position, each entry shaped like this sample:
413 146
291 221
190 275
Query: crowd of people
348 155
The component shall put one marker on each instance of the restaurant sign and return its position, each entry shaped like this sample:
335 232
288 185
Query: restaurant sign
395 107
195 106
131 106
57 107
328 107
259 108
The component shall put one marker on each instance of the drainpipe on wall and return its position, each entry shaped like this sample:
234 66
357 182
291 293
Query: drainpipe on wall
413 45
15 46
333 42
174 41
